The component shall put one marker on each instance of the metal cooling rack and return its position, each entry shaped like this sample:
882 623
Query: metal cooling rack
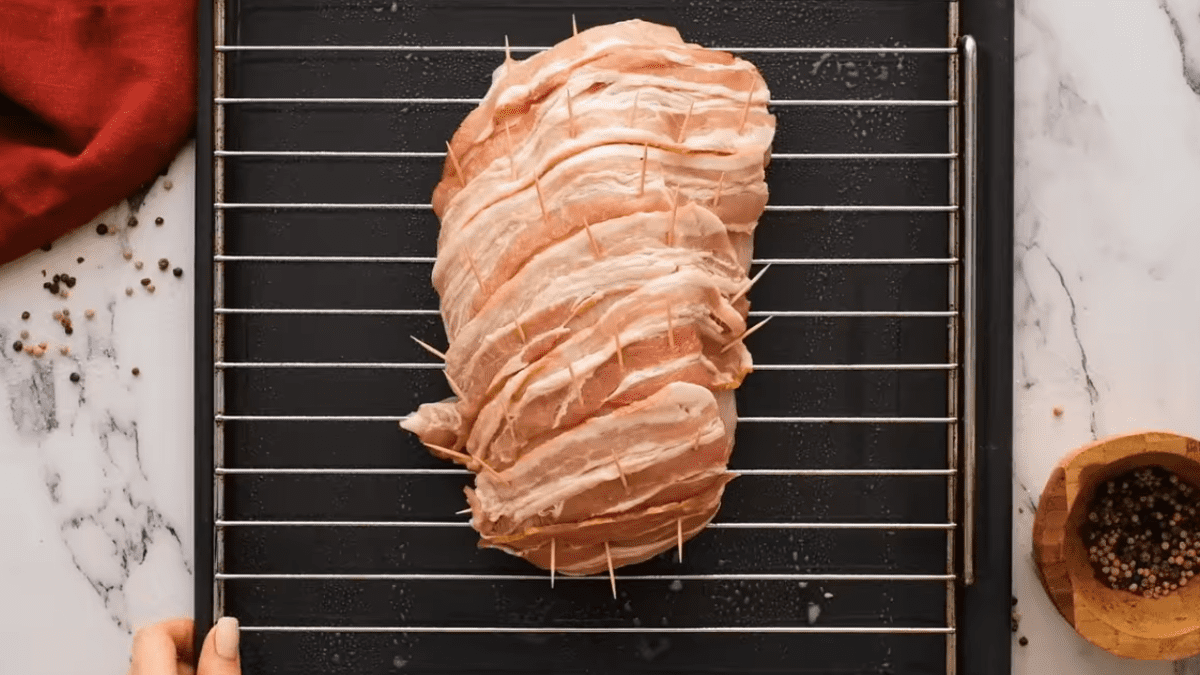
239 578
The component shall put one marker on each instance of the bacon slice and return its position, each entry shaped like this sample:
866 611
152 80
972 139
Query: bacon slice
597 212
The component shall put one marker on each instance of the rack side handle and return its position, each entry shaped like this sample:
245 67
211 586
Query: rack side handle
970 373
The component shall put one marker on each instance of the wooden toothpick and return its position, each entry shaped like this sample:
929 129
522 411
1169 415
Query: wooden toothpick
620 471
462 179
674 215
612 575
679 537
458 391
596 250
750 285
507 51
553 541
574 31
645 163
748 333
462 511
521 331
537 186
620 356
428 348
468 460
746 110
670 328
570 115
575 381
686 118
475 271
720 184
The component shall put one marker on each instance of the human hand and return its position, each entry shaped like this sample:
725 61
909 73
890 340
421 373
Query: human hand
167 649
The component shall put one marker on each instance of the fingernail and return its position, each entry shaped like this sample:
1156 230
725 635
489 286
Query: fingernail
226 638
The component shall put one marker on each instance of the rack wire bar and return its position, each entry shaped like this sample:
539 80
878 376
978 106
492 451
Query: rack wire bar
429 260
627 577
822 525
413 154
386 365
759 420
591 630
795 102
333 471
797 208
532 49
883 313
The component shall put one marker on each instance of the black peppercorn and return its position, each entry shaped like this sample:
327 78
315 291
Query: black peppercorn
136 372
79 259
146 281
1023 641
132 221
56 277
69 330
70 282
54 288
163 264
74 377
102 229
25 316
158 220
178 271
17 346
46 246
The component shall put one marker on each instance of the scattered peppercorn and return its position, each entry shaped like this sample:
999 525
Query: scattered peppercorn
128 291
137 264
150 288
70 282
74 377
79 260
158 220
46 246
167 184
146 281
163 264
1143 533
128 255
136 372
66 312
17 346
64 350
89 313
102 229
178 271
69 330
24 316
24 335
1023 641
132 221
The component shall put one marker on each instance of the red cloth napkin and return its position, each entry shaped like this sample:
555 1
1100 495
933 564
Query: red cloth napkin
96 96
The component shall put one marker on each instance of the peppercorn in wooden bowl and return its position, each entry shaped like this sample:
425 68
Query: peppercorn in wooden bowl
1113 548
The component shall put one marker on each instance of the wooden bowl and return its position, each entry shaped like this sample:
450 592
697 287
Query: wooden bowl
1120 622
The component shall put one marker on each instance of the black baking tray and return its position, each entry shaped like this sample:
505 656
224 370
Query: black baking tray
983 635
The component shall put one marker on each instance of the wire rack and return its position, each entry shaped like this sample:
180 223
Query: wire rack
336 540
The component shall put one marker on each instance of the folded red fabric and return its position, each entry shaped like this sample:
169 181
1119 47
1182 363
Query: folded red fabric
96 96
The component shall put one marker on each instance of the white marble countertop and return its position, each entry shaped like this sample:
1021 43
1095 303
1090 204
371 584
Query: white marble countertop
96 476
